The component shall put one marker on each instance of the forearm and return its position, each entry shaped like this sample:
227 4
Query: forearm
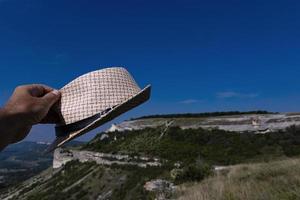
6 127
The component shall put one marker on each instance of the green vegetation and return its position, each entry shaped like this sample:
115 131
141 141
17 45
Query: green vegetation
54 189
192 172
207 114
217 147
88 181
276 180
136 178
197 149
187 155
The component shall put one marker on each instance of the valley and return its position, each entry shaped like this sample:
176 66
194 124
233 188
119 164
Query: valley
156 158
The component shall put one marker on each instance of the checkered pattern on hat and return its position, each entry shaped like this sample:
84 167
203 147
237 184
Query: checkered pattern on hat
95 92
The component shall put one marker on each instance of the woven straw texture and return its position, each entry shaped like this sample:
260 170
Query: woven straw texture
95 92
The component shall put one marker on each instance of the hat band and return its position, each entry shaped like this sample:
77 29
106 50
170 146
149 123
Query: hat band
65 130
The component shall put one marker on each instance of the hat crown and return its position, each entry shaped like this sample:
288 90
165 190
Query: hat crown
95 92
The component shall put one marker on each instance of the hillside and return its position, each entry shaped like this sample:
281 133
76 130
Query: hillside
218 147
160 162
260 123
274 180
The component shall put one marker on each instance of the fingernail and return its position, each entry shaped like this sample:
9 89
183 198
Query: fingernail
56 92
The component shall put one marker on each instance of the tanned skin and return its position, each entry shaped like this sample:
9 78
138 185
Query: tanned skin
29 105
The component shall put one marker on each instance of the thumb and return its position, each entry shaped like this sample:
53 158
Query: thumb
51 98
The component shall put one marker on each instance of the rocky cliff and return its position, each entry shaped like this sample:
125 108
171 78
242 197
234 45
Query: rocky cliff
239 123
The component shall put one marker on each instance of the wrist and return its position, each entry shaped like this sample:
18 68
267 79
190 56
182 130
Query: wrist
7 118
10 125
5 114
6 135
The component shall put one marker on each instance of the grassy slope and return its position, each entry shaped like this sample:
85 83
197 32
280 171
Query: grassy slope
277 180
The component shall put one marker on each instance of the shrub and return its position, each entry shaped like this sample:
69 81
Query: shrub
192 172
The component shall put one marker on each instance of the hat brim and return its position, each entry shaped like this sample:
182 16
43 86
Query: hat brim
127 105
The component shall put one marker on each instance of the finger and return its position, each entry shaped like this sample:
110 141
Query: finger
35 90
39 90
47 88
51 98
32 90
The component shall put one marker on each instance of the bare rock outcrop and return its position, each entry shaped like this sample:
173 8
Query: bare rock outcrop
63 156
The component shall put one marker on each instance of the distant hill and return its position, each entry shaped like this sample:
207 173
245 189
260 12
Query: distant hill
206 114
24 160
21 161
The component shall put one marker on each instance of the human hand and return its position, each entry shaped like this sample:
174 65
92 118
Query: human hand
29 105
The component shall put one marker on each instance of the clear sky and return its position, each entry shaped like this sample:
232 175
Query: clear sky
198 55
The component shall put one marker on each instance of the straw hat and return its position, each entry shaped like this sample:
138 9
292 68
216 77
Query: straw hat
94 99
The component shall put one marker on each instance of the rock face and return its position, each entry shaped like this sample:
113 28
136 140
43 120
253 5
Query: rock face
61 157
115 127
162 188
260 123
158 185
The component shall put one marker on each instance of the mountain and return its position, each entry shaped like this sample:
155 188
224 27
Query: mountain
24 160
21 161
166 158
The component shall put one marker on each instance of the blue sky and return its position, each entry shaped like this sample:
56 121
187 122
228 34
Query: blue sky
198 55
